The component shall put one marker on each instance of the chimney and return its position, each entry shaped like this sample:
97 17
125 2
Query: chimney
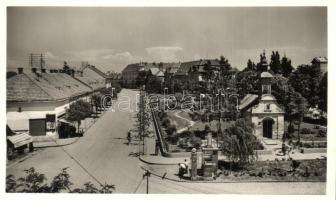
20 70
43 70
34 70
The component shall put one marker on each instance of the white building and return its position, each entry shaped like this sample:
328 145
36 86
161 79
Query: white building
36 101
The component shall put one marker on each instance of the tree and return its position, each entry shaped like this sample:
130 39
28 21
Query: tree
78 111
275 64
34 182
306 80
66 67
323 93
239 144
247 82
250 65
209 71
142 78
286 66
96 100
296 108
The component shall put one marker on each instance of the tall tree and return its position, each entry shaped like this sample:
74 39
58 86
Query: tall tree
250 65
323 93
275 64
286 66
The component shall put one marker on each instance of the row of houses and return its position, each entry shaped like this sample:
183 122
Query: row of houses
37 99
184 75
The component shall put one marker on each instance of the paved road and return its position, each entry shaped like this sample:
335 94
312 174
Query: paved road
103 153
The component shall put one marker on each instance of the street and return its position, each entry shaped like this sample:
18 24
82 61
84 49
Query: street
103 154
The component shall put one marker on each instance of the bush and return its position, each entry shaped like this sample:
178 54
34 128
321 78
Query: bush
171 129
321 133
166 122
306 131
290 129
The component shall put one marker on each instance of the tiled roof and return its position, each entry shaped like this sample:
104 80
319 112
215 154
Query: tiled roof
102 74
113 76
21 88
247 100
44 87
185 67
132 68
94 84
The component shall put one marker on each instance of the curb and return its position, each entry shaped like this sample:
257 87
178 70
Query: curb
75 140
153 163
58 145
242 181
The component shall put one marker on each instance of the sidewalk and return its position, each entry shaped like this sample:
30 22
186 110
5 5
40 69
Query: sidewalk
55 142
160 160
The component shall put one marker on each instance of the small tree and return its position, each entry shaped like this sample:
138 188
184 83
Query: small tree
78 111
239 143
34 182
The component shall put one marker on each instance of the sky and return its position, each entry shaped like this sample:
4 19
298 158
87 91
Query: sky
112 37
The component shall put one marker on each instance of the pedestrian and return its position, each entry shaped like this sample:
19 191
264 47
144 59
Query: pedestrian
129 137
186 163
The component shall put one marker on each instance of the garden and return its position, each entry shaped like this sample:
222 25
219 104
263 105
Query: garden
185 130
276 170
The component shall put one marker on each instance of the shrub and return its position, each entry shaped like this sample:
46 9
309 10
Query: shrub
306 131
196 142
171 129
321 133
166 122
290 129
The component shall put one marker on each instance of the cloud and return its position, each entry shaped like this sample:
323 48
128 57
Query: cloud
89 54
119 56
51 56
164 54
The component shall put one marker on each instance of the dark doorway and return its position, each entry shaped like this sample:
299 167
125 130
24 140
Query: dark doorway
37 127
267 128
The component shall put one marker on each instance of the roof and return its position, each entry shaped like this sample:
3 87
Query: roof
320 59
30 86
267 97
93 83
20 139
93 68
266 75
113 76
247 100
132 68
185 67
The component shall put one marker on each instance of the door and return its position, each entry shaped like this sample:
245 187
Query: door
267 128
37 127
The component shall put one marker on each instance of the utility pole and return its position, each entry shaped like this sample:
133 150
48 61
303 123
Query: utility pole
147 174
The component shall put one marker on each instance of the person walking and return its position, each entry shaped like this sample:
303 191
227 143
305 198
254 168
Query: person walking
129 138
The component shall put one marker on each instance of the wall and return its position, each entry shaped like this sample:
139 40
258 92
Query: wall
277 128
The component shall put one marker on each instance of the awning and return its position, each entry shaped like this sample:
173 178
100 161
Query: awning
20 139
64 121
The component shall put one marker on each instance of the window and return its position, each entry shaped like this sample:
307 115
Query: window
268 108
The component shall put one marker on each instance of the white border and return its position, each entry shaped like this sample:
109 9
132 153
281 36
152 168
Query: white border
181 3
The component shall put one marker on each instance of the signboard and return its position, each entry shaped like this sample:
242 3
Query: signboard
50 122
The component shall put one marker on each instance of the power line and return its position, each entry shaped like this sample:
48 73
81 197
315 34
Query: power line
87 171
136 189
